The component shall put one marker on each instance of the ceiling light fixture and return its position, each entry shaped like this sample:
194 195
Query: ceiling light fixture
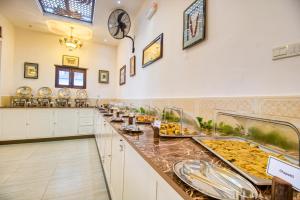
70 42
119 2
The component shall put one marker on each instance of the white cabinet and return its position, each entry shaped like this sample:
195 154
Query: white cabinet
128 175
117 167
107 141
40 123
14 124
165 191
0 124
86 121
66 122
139 179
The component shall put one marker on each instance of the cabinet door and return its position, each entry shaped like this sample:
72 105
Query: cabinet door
66 122
40 123
107 152
0 124
117 167
165 191
14 124
139 179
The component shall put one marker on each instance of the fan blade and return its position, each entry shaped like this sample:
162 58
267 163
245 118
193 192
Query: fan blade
117 31
120 17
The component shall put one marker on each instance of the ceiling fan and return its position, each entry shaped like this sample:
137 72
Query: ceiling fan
119 25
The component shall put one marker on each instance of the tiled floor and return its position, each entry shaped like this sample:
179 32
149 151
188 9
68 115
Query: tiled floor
63 170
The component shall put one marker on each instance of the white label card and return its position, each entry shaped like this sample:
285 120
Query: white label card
284 170
157 123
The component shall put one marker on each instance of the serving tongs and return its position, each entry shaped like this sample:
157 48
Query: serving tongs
201 175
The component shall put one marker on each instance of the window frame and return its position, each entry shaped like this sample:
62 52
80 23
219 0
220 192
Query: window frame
71 71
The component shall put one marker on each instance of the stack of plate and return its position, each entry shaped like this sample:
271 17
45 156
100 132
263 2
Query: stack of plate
214 181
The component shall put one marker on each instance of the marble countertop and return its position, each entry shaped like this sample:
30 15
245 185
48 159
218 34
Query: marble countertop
7 107
162 153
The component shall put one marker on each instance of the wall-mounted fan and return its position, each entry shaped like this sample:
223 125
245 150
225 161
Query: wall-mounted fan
119 25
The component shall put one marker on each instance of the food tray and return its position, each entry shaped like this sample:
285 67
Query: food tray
147 123
253 179
214 181
108 115
180 135
117 120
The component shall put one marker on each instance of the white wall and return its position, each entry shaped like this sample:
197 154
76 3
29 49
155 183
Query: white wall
7 57
234 60
44 49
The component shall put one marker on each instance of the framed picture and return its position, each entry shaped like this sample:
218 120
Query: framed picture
132 66
194 20
154 51
31 70
71 61
123 75
103 76
0 32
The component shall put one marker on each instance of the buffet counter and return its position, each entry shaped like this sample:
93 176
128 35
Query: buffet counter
72 107
162 153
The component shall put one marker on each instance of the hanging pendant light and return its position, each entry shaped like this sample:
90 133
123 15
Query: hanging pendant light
70 42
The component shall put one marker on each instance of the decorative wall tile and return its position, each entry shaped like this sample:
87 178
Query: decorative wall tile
289 107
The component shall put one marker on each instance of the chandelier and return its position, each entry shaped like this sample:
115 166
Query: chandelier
70 42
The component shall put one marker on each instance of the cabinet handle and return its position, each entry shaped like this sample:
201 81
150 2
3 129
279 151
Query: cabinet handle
121 147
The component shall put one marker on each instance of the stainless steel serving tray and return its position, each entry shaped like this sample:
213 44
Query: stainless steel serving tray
253 179
180 135
214 181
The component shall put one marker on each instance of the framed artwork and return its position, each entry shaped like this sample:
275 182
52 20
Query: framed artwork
194 20
153 51
0 32
71 61
132 66
123 75
103 76
31 70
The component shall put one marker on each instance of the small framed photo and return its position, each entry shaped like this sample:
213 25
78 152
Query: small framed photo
123 75
153 51
194 19
31 70
103 76
132 66
71 61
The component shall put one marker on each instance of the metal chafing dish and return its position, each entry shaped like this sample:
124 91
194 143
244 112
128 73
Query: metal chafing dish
23 97
253 140
44 97
63 97
176 123
214 181
81 99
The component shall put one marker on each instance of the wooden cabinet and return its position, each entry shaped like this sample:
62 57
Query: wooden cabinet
117 167
40 123
66 122
14 124
139 179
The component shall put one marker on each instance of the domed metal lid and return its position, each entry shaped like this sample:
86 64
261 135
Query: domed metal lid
64 93
44 92
24 91
81 94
